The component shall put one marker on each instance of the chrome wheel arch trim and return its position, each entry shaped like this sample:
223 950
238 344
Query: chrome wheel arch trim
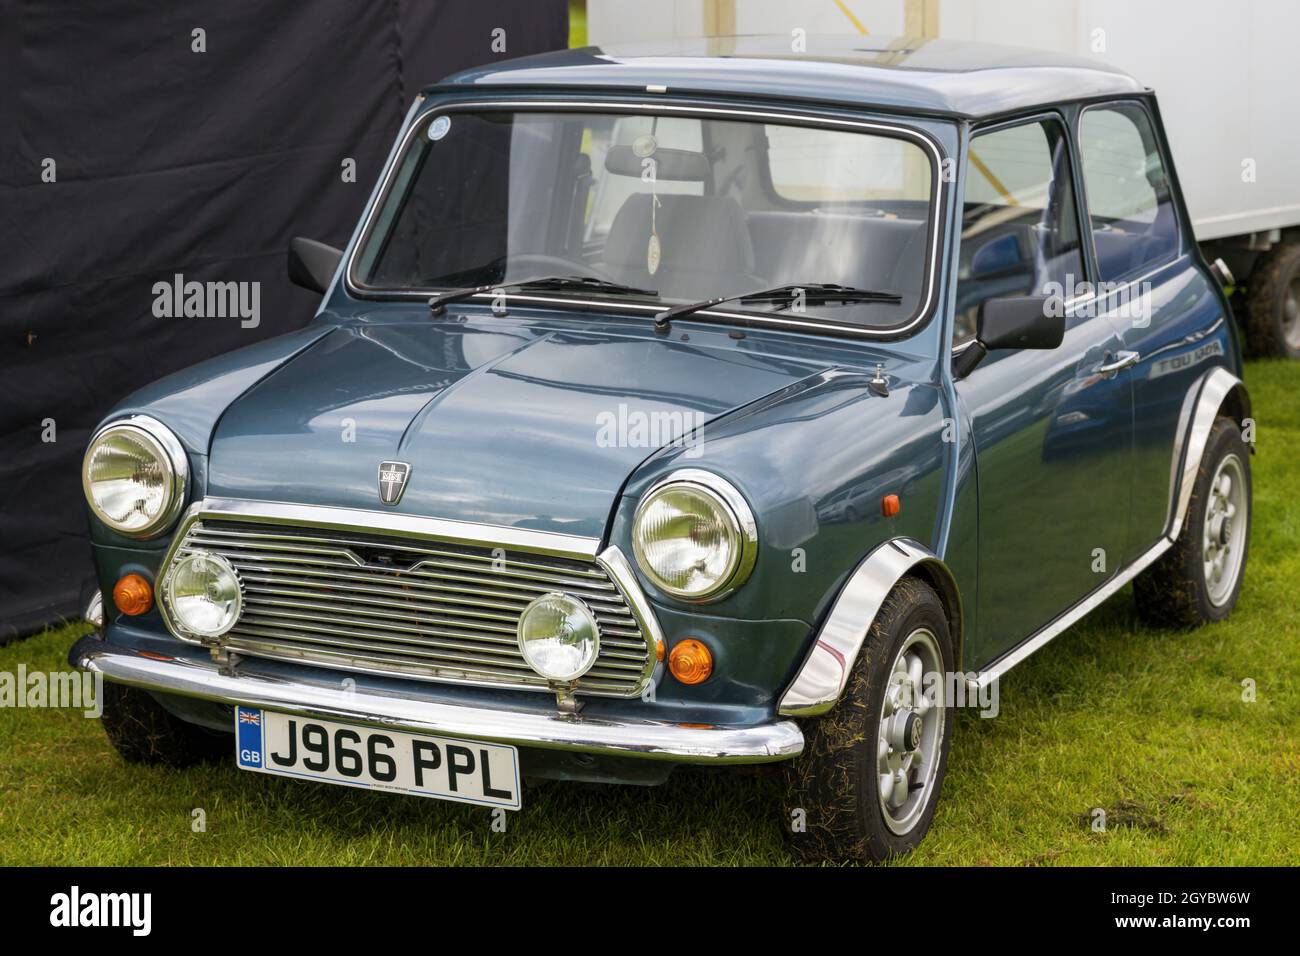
824 673
1205 401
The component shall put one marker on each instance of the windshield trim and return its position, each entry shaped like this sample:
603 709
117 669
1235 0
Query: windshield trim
921 138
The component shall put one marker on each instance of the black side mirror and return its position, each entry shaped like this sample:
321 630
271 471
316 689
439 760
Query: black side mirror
312 264
1012 322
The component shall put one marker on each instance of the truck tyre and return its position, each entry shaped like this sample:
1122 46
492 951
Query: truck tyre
1273 303
1199 578
867 783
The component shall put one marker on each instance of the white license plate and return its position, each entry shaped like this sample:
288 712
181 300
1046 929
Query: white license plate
443 767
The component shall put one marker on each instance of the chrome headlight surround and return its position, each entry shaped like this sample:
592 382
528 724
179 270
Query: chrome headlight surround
222 574
158 441
732 510
558 637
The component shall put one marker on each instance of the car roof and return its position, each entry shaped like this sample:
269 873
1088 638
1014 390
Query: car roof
930 76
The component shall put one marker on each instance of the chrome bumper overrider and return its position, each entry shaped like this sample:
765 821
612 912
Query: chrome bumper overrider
630 738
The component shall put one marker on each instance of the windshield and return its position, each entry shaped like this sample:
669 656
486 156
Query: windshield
681 206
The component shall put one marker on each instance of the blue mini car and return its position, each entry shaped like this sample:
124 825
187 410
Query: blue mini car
671 408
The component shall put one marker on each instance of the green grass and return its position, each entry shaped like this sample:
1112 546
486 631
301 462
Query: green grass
1148 725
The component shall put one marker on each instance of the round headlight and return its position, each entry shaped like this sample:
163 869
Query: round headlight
694 536
202 592
134 477
559 637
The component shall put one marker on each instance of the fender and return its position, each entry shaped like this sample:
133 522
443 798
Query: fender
825 671
1216 392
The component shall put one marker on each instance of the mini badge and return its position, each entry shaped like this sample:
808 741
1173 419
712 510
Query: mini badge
392 481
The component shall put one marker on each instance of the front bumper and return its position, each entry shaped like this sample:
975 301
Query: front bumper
661 740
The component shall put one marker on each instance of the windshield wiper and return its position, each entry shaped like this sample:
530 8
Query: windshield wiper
439 302
820 293
594 283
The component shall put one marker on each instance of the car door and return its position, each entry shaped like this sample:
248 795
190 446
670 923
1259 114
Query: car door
1052 428
1159 299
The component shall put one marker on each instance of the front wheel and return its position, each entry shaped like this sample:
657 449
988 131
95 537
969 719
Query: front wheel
868 780
1199 578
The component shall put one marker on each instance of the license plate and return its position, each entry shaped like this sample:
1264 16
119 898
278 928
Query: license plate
468 771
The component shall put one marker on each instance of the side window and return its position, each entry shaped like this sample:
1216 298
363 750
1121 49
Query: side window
1129 202
1020 229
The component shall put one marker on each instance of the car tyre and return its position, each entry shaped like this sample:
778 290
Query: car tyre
1273 303
1199 578
144 732
838 807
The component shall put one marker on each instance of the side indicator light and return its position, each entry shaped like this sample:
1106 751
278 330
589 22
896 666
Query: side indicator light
890 505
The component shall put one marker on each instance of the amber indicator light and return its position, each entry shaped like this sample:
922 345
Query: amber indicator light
690 661
133 594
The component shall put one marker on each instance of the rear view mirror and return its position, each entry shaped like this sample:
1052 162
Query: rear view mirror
312 264
1012 322
997 257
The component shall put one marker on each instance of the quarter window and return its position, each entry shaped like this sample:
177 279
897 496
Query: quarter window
1020 230
1130 203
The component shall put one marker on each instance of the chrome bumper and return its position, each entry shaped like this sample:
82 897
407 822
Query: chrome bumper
653 739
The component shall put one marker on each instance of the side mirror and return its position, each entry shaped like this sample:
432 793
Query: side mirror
312 264
1012 322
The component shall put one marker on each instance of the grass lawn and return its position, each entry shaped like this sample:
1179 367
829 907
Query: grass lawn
1149 726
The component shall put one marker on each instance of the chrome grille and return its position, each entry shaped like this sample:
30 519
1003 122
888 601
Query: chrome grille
413 608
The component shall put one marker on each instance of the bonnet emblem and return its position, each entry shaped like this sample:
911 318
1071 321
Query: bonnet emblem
392 480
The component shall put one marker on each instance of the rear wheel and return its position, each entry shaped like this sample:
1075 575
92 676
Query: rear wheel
143 731
869 778
1199 578
1273 303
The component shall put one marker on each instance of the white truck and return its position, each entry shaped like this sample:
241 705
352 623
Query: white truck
1225 74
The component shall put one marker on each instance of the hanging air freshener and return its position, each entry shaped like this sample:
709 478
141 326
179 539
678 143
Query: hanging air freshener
653 251
644 147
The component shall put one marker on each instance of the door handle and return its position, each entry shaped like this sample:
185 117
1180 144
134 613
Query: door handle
1121 360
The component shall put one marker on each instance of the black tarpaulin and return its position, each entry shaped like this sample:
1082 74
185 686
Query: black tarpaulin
163 160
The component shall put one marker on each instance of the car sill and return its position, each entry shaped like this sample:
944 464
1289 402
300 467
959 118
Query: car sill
1068 619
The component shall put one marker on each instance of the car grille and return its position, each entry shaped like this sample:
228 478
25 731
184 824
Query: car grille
410 608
